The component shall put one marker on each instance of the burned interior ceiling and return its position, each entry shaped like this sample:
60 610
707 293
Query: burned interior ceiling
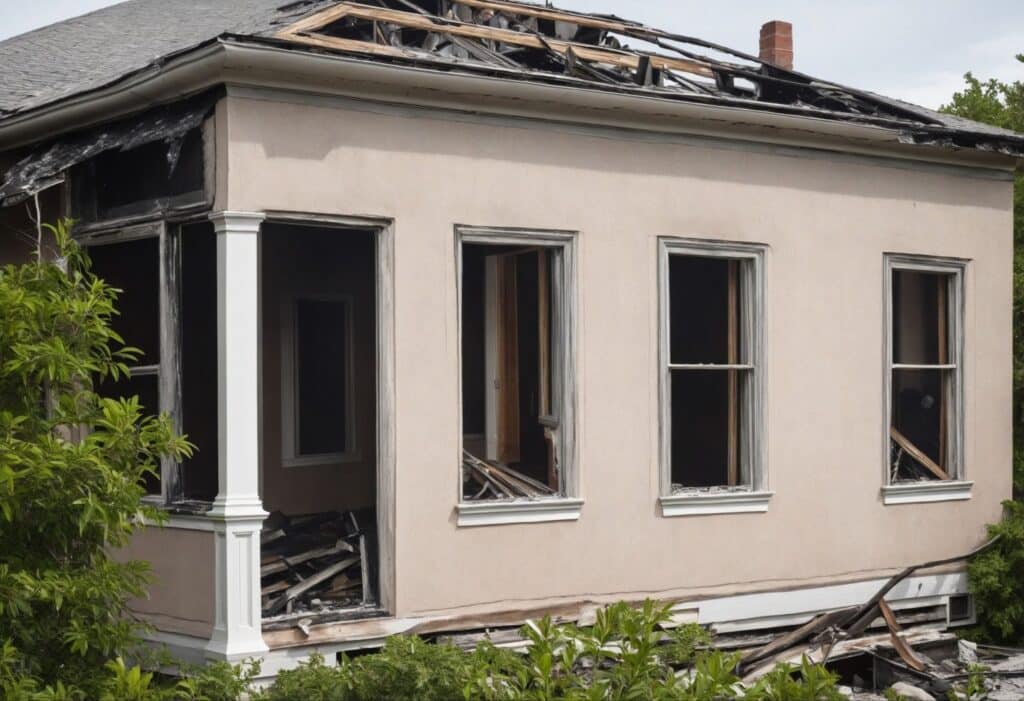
540 43
45 166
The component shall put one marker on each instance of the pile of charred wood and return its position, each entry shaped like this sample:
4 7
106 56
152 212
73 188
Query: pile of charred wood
315 561
490 480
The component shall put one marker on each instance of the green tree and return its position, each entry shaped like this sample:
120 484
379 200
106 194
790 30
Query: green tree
71 465
1002 105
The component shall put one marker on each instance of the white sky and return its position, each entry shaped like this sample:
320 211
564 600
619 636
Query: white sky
917 50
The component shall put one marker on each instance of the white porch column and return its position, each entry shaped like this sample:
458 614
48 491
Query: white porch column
238 510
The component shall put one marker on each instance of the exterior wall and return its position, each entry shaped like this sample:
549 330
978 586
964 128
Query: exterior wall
181 597
827 223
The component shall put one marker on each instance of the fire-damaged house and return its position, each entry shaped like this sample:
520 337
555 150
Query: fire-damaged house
481 310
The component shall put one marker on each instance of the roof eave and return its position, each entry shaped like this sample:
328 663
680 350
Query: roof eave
254 62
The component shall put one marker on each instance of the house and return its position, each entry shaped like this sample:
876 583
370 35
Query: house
489 310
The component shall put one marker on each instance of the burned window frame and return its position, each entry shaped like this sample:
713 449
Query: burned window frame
954 269
168 369
563 376
749 494
290 455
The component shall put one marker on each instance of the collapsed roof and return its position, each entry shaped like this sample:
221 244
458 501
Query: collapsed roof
500 38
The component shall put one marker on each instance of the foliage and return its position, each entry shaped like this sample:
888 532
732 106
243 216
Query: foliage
1002 104
997 580
219 681
67 496
624 655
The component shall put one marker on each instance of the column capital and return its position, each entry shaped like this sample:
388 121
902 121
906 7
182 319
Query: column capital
226 221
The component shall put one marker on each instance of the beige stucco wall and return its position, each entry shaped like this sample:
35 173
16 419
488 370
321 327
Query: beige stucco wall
827 223
181 597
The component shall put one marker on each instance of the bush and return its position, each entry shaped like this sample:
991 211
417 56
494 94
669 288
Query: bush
997 580
67 499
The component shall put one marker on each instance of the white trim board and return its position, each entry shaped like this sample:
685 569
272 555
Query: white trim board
498 513
770 609
925 492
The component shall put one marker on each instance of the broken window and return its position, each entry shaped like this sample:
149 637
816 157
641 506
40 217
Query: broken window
167 309
316 382
150 178
133 267
924 376
712 373
516 396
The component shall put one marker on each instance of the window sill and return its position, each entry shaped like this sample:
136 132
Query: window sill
708 503
501 513
325 460
926 492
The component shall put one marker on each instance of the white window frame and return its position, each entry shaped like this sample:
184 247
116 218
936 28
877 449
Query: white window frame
566 506
956 488
290 418
752 496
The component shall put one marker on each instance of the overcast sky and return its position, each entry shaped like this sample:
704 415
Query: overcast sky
917 50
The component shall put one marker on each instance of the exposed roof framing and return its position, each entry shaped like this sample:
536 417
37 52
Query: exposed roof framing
502 39
544 43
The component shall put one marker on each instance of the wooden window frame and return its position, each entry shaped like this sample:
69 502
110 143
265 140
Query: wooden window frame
954 488
566 506
750 494
290 418
168 370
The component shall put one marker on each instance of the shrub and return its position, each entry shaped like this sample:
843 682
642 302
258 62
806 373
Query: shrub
67 500
997 580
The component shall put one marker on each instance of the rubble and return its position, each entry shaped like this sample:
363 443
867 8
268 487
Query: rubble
315 564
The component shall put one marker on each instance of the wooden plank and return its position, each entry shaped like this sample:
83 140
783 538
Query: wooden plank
733 358
506 36
508 360
798 636
917 454
318 20
302 587
906 652
281 564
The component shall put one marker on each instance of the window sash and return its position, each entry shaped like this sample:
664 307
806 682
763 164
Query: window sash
168 369
951 370
749 370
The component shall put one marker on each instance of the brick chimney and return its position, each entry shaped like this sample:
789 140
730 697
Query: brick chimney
777 44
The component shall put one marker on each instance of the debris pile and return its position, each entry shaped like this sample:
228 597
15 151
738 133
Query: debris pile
496 481
315 562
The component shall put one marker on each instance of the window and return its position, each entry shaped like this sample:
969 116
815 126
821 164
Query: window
711 378
318 416
518 403
924 387
133 267
167 309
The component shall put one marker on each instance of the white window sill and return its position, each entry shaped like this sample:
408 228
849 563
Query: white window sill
501 513
925 492
708 503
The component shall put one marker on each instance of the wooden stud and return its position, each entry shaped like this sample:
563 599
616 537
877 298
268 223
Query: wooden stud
301 32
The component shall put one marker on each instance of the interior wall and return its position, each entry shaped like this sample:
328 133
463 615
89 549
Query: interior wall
827 223
309 260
